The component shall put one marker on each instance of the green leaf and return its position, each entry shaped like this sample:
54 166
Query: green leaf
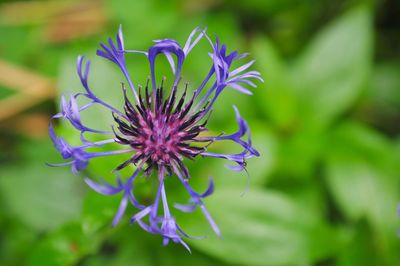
40 196
362 190
63 247
261 228
360 249
363 179
361 173
331 71
274 96
99 210
298 152
16 241
383 90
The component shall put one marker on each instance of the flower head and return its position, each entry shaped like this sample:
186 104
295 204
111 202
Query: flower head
159 129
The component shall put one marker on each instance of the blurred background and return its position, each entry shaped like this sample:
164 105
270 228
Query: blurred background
326 121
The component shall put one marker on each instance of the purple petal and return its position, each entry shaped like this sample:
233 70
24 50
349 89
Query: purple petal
187 235
189 44
134 201
120 38
138 216
185 207
240 88
242 68
146 227
165 46
209 190
104 189
236 168
105 55
185 245
210 220
121 210
170 61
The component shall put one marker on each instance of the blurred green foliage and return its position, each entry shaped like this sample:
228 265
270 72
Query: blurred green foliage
326 122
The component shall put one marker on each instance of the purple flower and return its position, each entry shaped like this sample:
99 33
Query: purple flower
159 129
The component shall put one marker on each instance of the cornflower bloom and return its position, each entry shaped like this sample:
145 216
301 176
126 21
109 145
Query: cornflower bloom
158 130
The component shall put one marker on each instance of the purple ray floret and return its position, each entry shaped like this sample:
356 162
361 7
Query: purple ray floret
159 130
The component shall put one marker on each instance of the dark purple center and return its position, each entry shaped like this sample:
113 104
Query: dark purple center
160 130
161 139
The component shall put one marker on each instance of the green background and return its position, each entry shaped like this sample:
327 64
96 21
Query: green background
326 122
